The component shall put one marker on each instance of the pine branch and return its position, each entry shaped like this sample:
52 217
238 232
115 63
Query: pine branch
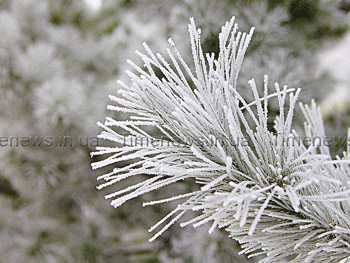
275 195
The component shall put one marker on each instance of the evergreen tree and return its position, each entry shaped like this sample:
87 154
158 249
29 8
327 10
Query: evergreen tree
59 61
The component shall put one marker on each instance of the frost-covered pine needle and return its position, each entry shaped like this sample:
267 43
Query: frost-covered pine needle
275 195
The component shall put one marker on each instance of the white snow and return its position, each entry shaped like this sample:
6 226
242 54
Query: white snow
337 61
95 5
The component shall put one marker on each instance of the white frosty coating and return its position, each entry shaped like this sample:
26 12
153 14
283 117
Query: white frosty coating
263 190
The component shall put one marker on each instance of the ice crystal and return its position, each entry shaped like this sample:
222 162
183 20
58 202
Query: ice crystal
259 183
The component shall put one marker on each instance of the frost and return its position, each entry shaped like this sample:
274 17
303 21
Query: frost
264 192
